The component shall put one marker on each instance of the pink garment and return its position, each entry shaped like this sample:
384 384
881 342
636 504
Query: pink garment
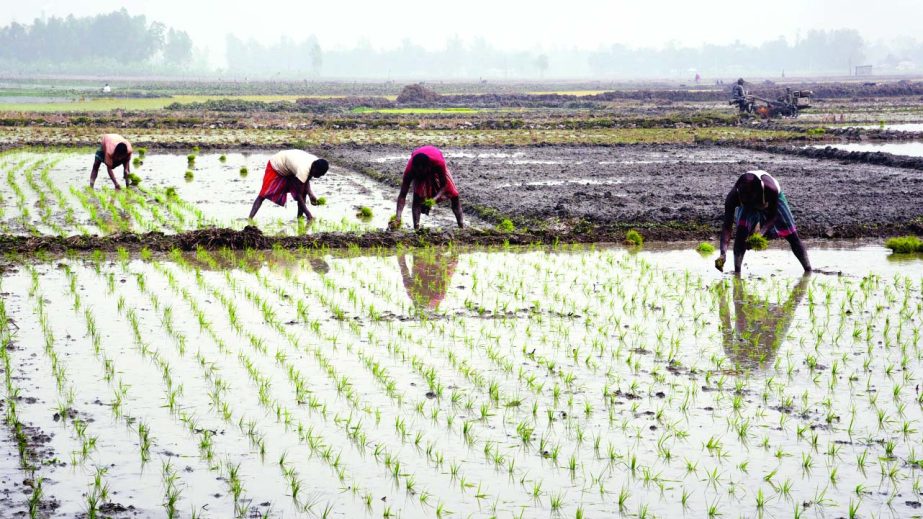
428 187
109 142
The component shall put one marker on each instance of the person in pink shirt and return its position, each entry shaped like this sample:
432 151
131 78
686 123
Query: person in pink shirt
114 151
427 172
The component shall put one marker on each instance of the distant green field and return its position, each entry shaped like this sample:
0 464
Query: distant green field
107 104
431 111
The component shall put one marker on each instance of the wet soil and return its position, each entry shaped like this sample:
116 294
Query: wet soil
671 191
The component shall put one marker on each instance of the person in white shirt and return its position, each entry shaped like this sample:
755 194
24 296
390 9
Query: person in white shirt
290 172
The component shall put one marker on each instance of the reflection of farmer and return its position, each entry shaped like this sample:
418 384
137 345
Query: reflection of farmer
114 151
758 206
427 172
759 326
290 172
428 281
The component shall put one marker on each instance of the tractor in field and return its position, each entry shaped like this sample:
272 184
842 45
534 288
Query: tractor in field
786 105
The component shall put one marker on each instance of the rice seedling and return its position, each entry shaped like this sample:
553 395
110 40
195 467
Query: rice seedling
757 242
705 248
633 238
506 225
364 213
904 244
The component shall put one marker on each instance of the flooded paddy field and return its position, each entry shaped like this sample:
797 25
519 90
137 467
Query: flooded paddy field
48 194
663 185
565 382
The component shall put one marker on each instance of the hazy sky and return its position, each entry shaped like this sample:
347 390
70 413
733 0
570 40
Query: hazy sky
586 24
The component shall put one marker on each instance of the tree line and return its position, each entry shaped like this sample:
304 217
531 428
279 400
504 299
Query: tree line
834 52
116 41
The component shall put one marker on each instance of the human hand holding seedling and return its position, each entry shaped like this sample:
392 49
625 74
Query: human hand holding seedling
394 223
720 261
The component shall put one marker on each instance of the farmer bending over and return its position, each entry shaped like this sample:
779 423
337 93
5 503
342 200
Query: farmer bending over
290 172
431 180
758 206
114 151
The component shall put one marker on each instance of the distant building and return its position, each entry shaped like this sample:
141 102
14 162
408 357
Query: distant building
107 89
863 70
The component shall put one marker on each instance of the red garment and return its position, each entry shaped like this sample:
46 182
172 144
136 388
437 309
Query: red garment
276 187
429 187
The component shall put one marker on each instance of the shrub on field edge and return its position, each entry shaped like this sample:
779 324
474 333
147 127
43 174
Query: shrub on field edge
904 244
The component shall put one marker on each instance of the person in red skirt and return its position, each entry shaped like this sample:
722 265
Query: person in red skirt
432 183
289 172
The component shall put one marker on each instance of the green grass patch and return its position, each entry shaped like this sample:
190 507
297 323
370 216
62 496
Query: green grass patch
426 111
904 244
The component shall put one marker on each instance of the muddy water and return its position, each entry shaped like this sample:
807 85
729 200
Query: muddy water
910 149
641 377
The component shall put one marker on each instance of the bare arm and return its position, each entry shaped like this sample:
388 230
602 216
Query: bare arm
402 197
307 188
303 208
112 176
730 206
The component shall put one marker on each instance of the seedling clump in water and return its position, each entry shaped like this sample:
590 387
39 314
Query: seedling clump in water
705 248
634 238
244 171
905 244
189 175
364 212
757 242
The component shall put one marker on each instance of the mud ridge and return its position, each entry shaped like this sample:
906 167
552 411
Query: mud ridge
252 238
829 152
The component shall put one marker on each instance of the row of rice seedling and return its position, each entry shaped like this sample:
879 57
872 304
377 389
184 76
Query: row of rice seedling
514 383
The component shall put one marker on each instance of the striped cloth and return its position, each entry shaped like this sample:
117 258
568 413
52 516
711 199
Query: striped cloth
277 187
749 218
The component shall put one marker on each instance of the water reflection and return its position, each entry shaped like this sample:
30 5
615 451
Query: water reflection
758 326
427 277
